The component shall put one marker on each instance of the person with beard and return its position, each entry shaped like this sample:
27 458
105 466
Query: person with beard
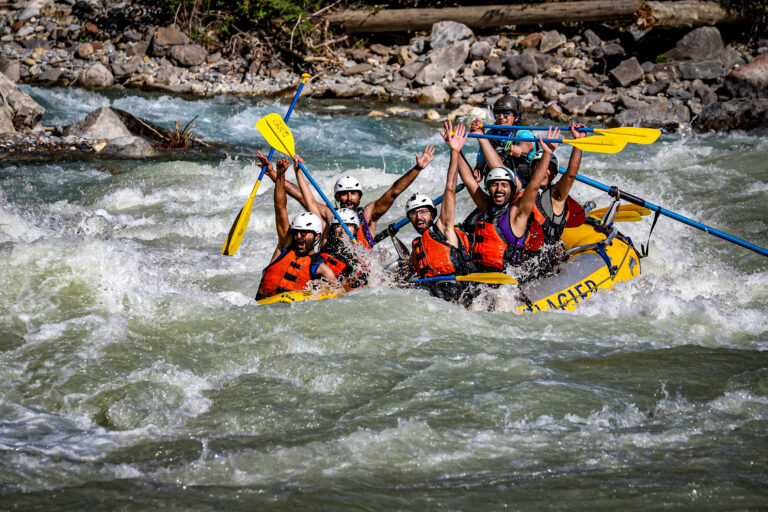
294 262
441 249
348 192
507 234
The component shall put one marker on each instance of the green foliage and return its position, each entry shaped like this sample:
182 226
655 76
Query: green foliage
662 58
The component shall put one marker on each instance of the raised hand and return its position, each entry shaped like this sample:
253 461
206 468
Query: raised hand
282 165
549 147
264 161
457 137
574 130
476 127
426 158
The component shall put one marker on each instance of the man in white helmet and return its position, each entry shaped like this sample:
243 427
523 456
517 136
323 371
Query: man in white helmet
348 192
506 234
294 262
441 249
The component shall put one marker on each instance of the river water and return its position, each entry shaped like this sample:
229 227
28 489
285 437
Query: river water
137 373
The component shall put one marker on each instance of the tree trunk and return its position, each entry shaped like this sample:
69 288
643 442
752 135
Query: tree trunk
687 13
485 16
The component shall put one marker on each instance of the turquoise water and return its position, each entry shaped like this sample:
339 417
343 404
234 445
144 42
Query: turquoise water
136 372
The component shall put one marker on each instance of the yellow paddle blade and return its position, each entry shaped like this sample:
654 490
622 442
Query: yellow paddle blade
598 144
626 216
488 277
642 210
632 134
276 132
237 231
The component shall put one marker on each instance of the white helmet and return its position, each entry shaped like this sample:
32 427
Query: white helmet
348 216
347 184
417 201
307 222
500 173
553 159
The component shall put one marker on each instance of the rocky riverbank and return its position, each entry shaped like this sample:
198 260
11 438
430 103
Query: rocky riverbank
633 77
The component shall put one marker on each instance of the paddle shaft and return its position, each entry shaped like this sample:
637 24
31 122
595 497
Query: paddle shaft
518 139
327 201
535 128
615 192
433 279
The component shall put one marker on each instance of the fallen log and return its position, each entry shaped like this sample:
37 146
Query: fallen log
685 13
387 20
675 14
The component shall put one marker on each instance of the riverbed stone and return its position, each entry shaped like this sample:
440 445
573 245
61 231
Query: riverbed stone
10 68
121 69
494 65
551 40
96 75
448 33
166 38
520 65
752 78
188 55
23 113
703 70
129 146
409 70
480 50
601 108
84 51
521 85
102 123
628 72
441 62
740 113
431 94
50 76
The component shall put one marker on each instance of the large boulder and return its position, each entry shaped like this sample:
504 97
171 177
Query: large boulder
517 66
18 111
447 33
10 68
740 113
666 114
750 79
703 43
432 94
441 61
551 40
627 73
188 55
166 38
701 69
102 123
96 76
121 69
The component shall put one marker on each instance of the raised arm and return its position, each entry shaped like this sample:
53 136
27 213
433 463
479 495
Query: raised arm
291 189
480 198
455 139
376 209
282 223
524 206
564 184
492 158
308 199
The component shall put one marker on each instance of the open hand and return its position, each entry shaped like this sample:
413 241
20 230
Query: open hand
426 158
549 147
264 161
457 137
574 130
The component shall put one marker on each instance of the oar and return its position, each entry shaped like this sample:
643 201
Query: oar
237 231
624 216
596 144
632 134
277 134
615 192
479 277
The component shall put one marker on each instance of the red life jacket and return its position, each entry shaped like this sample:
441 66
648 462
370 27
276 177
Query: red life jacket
287 273
432 255
496 246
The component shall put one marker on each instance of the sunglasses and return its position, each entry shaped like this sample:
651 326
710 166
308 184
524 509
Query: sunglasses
506 113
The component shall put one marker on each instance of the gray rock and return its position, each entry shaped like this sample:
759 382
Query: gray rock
18 108
751 78
188 55
679 94
665 114
84 51
25 31
357 70
102 123
448 33
731 59
418 45
627 73
703 43
96 76
132 36
31 44
137 50
579 104
11 70
409 70
521 86
480 50
551 40
584 78
632 103
31 9
543 60
592 38
517 66
166 38
494 66
449 58
601 108
549 89
657 87
666 71
50 76
349 89
168 75
704 70
126 68
376 77
610 50
740 113
432 94
129 147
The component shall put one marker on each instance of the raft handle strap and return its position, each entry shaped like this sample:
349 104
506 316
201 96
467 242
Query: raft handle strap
644 248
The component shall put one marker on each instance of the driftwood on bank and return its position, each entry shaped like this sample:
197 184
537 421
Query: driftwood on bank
659 14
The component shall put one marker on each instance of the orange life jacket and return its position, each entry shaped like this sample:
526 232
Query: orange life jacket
432 255
287 273
496 246
363 235
336 265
